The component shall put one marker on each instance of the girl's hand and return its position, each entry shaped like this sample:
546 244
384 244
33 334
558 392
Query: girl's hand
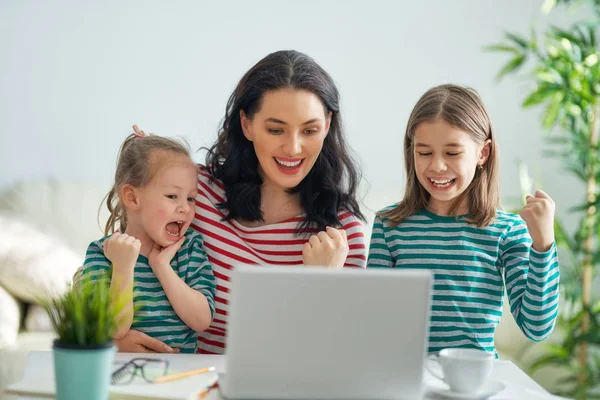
122 250
160 257
328 249
538 214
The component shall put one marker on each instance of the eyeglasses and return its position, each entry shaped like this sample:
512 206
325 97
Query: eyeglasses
148 368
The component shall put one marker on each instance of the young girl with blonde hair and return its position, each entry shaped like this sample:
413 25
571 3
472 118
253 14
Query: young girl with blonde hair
155 260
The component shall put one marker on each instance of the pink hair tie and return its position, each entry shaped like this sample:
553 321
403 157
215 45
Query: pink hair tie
139 133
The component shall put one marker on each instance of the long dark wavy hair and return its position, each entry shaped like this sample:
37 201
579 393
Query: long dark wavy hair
331 184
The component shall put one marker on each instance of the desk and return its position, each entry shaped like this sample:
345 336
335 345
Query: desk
40 368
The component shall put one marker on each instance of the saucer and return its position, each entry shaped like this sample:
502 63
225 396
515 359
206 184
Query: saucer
489 389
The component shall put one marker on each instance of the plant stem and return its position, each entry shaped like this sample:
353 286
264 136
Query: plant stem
588 245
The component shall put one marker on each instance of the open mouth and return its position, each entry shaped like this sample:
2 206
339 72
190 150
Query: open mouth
442 183
175 228
288 164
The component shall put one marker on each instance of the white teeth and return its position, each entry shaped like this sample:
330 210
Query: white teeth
442 184
288 163
180 224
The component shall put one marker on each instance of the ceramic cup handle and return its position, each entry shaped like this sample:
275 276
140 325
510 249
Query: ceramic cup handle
435 358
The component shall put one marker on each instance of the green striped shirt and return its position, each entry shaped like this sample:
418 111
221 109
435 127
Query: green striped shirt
153 313
471 267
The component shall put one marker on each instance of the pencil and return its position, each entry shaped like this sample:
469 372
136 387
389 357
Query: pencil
205 392
181 375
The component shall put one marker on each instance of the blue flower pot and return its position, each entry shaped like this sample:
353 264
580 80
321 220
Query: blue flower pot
82 372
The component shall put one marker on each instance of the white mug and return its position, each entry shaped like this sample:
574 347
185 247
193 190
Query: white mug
465 370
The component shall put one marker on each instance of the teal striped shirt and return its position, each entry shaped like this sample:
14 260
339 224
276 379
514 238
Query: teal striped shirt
153 313
471 267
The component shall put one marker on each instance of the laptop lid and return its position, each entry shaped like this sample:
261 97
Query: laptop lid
308 333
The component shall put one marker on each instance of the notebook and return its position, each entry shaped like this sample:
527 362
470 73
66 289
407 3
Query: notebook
38 378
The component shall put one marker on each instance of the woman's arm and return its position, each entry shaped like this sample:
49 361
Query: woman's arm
357 248
137 342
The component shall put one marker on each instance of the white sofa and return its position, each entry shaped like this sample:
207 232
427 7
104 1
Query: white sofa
66 214
45 228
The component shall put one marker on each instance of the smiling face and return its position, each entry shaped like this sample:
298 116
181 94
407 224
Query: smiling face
287 133
446 160
165 206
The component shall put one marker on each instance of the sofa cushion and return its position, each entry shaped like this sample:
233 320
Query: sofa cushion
10 318
34 264
65 210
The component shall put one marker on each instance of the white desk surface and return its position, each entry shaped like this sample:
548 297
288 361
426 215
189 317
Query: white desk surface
518 384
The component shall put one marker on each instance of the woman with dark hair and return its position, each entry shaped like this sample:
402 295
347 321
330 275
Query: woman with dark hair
279 185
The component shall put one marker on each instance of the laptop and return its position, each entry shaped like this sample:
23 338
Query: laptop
318 333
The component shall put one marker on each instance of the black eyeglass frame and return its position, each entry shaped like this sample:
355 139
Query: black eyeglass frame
137 363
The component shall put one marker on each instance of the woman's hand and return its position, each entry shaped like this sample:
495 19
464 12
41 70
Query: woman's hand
138 342
328 248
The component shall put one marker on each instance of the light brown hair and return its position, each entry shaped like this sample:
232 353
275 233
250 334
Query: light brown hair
462 108
139 158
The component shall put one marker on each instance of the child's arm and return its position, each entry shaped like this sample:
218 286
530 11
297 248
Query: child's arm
122 250
379 252
531 278
96 264
192 299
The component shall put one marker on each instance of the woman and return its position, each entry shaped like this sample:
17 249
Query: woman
279 185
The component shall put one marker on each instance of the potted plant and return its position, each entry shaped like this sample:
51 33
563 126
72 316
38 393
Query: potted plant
85 319
566 81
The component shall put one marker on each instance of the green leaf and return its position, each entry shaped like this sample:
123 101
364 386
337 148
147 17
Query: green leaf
511 66
573 109
591 60
549 76
539 95
525 181
592 35
581 207
548 6
560 34
553 358
518 40
562 237
503 48
551 114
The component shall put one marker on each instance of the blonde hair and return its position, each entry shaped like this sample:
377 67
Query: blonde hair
462 108
136 166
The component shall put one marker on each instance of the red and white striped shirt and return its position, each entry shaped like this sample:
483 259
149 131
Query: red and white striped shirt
229 243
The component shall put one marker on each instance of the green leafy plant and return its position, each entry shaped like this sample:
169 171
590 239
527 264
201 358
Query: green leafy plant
565 72
86 315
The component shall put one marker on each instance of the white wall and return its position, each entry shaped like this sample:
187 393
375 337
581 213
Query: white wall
75 75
